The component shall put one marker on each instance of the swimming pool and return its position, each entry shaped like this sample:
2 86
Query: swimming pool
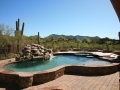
40 65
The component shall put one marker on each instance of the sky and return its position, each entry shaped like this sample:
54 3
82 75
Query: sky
67 17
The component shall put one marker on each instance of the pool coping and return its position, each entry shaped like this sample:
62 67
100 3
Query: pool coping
27 79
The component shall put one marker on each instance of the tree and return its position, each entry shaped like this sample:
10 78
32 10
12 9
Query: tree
53 45
108 45
103 40
68 38
78 44
94 41
85 40
32 39
6 33
60 38
52 38
47 39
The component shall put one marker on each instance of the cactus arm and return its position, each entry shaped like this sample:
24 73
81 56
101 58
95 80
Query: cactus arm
18 24
22 28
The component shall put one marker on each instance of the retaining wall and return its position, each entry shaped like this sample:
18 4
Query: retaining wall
27 79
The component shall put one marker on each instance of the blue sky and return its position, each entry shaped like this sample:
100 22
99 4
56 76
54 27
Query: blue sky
68 17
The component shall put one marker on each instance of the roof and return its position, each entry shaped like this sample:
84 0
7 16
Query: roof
116 6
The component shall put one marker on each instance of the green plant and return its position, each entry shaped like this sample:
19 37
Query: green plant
38 38
54 45
78 44
19 33
7 56
20 53
10 55
108 45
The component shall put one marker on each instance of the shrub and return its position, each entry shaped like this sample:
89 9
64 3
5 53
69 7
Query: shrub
8 56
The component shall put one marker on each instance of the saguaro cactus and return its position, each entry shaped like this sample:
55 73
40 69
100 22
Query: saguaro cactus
22 28
38 38
19 33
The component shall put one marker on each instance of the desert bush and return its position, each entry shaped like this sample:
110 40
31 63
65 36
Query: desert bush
7 56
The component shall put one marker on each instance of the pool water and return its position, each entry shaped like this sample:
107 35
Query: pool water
40 65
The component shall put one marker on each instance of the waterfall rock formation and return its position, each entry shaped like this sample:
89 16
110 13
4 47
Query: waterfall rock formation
32 51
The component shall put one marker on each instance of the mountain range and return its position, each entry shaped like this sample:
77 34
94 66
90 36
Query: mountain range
71 36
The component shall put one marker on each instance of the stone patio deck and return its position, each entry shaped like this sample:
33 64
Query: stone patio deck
74 82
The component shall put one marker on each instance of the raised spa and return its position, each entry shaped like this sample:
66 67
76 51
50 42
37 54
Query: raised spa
40 65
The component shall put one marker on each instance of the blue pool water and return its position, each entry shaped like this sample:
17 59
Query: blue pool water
40 65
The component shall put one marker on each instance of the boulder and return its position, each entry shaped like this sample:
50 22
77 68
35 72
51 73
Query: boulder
33 50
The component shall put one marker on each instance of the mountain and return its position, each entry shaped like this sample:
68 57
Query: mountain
71 36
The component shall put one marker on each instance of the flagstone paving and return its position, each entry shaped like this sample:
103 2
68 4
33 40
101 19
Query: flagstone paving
77 82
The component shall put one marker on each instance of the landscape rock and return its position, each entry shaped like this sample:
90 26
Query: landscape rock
34 50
